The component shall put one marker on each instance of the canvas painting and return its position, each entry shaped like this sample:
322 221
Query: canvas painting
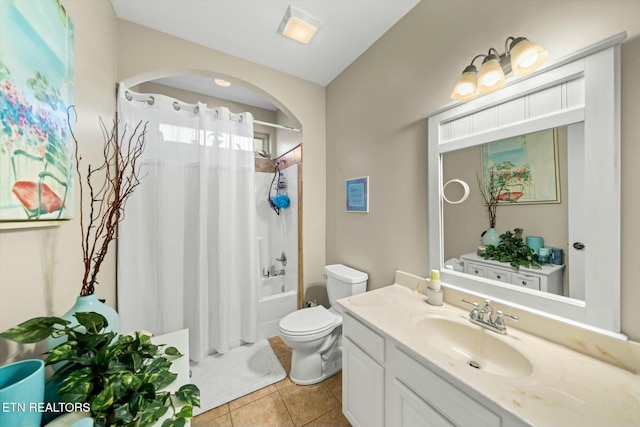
523 169
36 88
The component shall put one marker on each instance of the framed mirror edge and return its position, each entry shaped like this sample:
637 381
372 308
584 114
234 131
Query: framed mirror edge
598 79
449 283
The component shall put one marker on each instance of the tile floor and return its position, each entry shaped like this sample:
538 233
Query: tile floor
283 404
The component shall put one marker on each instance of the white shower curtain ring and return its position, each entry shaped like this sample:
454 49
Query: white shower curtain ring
464 185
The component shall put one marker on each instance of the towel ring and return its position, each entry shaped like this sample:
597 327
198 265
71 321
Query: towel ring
464 197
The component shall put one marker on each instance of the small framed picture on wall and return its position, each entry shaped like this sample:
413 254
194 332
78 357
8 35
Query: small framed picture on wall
358 194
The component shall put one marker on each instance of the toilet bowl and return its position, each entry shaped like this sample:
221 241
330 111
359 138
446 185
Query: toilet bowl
315 334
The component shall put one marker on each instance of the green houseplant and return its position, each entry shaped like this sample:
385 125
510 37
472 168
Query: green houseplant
121 380
513 250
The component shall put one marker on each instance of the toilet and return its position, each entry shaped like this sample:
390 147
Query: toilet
315 334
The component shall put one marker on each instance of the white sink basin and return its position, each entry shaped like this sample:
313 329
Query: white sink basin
479 348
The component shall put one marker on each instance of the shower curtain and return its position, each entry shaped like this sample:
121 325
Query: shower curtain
187 247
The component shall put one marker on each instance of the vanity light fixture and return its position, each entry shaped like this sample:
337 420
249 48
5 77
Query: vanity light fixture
521 57
298 25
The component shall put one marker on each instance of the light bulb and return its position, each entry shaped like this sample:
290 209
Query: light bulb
465 89
491 76
529 60
526 56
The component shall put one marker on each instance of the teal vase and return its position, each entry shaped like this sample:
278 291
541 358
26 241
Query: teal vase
21 393
491 237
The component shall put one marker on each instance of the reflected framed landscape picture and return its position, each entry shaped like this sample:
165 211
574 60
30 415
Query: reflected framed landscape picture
524 168
36 88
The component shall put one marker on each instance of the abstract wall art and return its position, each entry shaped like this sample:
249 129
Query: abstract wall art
36 88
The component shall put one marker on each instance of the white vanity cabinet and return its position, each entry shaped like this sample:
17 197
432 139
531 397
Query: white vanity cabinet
362 374
419 397
547 278
384 385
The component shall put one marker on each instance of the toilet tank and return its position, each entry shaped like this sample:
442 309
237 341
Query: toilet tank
343 281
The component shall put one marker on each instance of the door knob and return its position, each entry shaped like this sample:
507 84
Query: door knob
579 246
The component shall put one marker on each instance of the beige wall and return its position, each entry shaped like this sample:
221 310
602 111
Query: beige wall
144 54
41 269
376 125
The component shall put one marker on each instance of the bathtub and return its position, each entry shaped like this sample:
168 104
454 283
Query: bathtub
278 297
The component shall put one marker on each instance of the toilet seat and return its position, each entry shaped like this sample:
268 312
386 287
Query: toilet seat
308 321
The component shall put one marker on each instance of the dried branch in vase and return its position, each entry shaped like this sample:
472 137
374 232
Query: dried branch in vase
490 193
110 185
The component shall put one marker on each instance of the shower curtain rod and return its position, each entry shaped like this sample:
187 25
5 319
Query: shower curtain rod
275 125
194 108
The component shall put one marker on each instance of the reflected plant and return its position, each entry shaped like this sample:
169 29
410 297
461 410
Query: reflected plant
513 250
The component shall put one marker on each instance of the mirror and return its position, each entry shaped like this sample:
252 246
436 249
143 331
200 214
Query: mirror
578 99
533 192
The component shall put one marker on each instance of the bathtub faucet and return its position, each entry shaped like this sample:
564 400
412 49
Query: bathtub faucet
283 259
278 272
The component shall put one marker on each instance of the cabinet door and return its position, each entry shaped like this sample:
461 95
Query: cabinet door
407 409
458 408
362 387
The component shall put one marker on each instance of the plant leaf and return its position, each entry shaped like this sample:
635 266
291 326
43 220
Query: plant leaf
186 411
121 383
172 351
158 364
162 378
33 330
94 322
103 400
136 403
59 353
152 413
95 341
177 422
122 414
189 393
76 386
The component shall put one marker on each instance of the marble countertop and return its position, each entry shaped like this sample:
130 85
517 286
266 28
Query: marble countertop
565 388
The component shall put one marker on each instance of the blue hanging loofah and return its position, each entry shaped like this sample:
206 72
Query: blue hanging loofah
281 200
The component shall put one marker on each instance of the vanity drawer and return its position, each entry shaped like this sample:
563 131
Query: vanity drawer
475 269
439 394
527 280
365 338
500 275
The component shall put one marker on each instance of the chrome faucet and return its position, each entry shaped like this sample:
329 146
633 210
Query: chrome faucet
484 317
283 259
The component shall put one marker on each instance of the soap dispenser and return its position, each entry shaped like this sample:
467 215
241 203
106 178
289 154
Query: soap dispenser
434 290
